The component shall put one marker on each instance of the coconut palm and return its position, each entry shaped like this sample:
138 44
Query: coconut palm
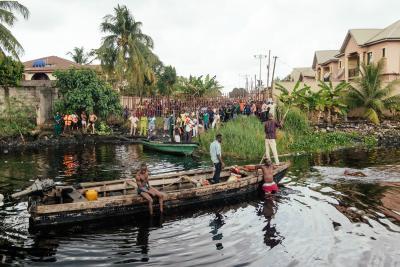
8 43
371 94
79 55
126 51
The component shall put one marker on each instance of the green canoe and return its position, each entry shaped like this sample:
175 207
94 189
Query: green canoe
171 148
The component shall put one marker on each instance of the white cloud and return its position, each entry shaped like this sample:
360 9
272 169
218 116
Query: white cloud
218 37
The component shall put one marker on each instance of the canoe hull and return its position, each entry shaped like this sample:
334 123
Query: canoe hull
128 205
176 149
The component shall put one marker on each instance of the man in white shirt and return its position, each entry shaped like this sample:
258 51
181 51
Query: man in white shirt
216 157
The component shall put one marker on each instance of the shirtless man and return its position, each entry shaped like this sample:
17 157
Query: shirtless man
269 185
92 121
147 191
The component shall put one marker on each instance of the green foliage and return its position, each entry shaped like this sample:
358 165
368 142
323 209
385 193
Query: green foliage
167 80
126 52
17 118
10 71
8 43
370 94
199 86
103 129
79 55
328 98
244 137
83 90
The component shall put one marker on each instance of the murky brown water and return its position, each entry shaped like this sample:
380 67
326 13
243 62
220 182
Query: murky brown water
321 218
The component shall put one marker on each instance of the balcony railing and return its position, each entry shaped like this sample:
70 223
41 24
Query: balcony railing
353 73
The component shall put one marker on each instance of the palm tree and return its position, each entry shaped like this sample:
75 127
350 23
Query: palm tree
125 52
199 86
79 55
167 81
8 43
371 94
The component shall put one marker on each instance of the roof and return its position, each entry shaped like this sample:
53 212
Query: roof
304 71
365 37
324 56
391 32
48 64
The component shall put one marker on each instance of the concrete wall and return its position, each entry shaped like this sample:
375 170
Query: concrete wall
40 94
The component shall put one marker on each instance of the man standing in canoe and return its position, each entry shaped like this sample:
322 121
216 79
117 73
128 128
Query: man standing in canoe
216 157
270 127
147 191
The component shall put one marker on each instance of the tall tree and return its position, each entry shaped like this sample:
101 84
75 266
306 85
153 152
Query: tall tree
8 43
79 55
371 94
167 81
125 53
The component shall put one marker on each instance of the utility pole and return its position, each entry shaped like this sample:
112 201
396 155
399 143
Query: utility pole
268 67
272 79
260 57
255 84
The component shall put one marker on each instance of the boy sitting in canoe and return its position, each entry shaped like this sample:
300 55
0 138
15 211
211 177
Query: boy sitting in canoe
269 185
147 191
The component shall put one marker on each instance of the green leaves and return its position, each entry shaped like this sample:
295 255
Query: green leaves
199 86
370 94
8 43
10 71
83 90
126 52
17 118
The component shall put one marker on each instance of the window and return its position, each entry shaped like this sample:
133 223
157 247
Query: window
383 52
340 64
369 57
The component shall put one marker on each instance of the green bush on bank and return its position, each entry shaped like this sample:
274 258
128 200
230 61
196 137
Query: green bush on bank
17 118
244 137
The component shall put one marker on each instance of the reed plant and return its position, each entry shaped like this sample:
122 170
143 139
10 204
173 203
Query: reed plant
244 137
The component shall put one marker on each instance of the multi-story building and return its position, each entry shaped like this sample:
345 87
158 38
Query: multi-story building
370 45
325 65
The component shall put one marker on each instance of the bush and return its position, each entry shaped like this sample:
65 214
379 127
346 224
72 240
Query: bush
83 90
17 118
244 137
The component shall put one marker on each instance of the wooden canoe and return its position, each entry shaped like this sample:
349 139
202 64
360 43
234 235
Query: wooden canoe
170 148
119 197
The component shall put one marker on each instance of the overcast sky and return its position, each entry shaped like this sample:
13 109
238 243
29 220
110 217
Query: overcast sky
219 37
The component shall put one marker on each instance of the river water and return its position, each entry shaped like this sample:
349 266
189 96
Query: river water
321 218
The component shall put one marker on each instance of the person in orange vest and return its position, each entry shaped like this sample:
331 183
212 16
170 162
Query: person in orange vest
67 123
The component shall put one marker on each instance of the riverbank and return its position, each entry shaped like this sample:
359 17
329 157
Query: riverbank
244 138
43 140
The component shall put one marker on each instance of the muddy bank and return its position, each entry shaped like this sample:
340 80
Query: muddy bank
43 140
387 134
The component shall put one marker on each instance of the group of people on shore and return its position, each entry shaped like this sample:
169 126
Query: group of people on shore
183 126
72 122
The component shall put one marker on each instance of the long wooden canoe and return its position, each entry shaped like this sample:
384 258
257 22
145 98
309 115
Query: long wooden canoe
170 148
119 197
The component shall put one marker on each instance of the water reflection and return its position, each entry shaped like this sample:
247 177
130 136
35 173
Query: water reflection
320 205
272 237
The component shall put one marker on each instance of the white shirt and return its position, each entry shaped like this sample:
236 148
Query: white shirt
133 120
215 149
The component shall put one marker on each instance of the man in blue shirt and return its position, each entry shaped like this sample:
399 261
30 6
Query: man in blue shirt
216 157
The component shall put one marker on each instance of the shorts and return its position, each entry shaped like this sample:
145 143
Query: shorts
143 189
270 187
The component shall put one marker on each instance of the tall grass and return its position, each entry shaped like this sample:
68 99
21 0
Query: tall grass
244 137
